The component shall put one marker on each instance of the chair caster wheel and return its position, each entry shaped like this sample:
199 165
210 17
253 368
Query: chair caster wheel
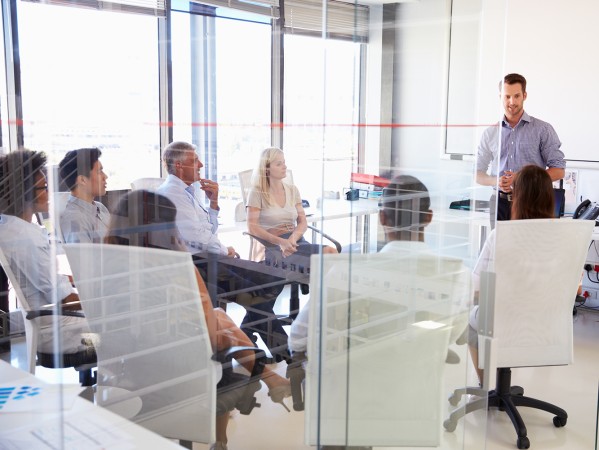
449 425
523 442
560 421
454 399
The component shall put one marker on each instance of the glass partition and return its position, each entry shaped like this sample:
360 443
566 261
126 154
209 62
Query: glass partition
370 340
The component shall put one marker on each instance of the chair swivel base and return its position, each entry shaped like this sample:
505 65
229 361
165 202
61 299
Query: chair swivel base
506 398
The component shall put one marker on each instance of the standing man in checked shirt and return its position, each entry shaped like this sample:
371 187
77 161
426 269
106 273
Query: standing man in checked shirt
84 220
524 140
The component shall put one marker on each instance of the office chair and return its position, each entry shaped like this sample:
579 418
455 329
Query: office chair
378 333
83 361
525 315
155 360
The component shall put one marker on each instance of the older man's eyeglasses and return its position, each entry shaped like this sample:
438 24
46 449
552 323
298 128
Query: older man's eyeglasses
41 188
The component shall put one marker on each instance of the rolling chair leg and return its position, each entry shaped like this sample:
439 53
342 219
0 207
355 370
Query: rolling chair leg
294 301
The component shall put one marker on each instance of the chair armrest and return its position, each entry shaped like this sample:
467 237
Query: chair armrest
236 390
326 236
51 312
262 241
296 374
316 230
226 357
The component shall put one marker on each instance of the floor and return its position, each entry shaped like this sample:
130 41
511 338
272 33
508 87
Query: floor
573 387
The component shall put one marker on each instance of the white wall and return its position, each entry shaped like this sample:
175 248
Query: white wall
554 43
420 96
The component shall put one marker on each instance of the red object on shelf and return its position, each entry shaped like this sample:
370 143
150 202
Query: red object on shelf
369 179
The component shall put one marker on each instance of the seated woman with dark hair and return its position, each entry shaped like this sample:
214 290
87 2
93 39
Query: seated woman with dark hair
25 245
147 219
532 198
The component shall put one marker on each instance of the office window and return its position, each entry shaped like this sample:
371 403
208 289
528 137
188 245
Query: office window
90 78
3 101
222 104
321 111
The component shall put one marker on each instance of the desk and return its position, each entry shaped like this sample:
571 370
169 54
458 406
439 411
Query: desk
361 209
88 426
478 220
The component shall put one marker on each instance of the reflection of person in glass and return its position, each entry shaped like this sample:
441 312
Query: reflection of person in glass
532 199
276 215
524 140
143 208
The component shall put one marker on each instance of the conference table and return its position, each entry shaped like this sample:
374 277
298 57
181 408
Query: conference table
38 415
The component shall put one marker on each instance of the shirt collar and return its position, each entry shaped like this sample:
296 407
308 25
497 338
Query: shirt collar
90 208
396 246
525 118
175 180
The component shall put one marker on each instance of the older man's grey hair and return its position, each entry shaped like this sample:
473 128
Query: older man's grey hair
176 152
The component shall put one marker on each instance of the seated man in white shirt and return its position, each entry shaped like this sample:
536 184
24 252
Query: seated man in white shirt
84 220
404 213
198 227
26 247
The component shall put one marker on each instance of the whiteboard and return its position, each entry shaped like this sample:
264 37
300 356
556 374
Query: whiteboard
553 43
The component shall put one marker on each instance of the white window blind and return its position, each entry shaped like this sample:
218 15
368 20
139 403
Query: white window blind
148 7
268 8
344 20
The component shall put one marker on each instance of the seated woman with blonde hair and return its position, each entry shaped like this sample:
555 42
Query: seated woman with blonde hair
275 214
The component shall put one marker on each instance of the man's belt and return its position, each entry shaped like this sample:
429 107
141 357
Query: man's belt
505 196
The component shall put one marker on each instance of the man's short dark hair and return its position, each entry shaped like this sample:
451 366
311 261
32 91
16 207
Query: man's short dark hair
18 171
406 203
77 162
513 78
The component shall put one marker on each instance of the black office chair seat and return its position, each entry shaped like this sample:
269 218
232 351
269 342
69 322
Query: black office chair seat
83 362
235 390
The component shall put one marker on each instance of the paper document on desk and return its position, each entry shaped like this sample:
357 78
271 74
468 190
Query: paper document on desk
73 433
37 397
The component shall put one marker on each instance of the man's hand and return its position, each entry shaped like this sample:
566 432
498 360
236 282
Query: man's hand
231 252
505 181
211 189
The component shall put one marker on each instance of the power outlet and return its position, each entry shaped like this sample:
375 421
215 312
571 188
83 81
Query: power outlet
592 293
